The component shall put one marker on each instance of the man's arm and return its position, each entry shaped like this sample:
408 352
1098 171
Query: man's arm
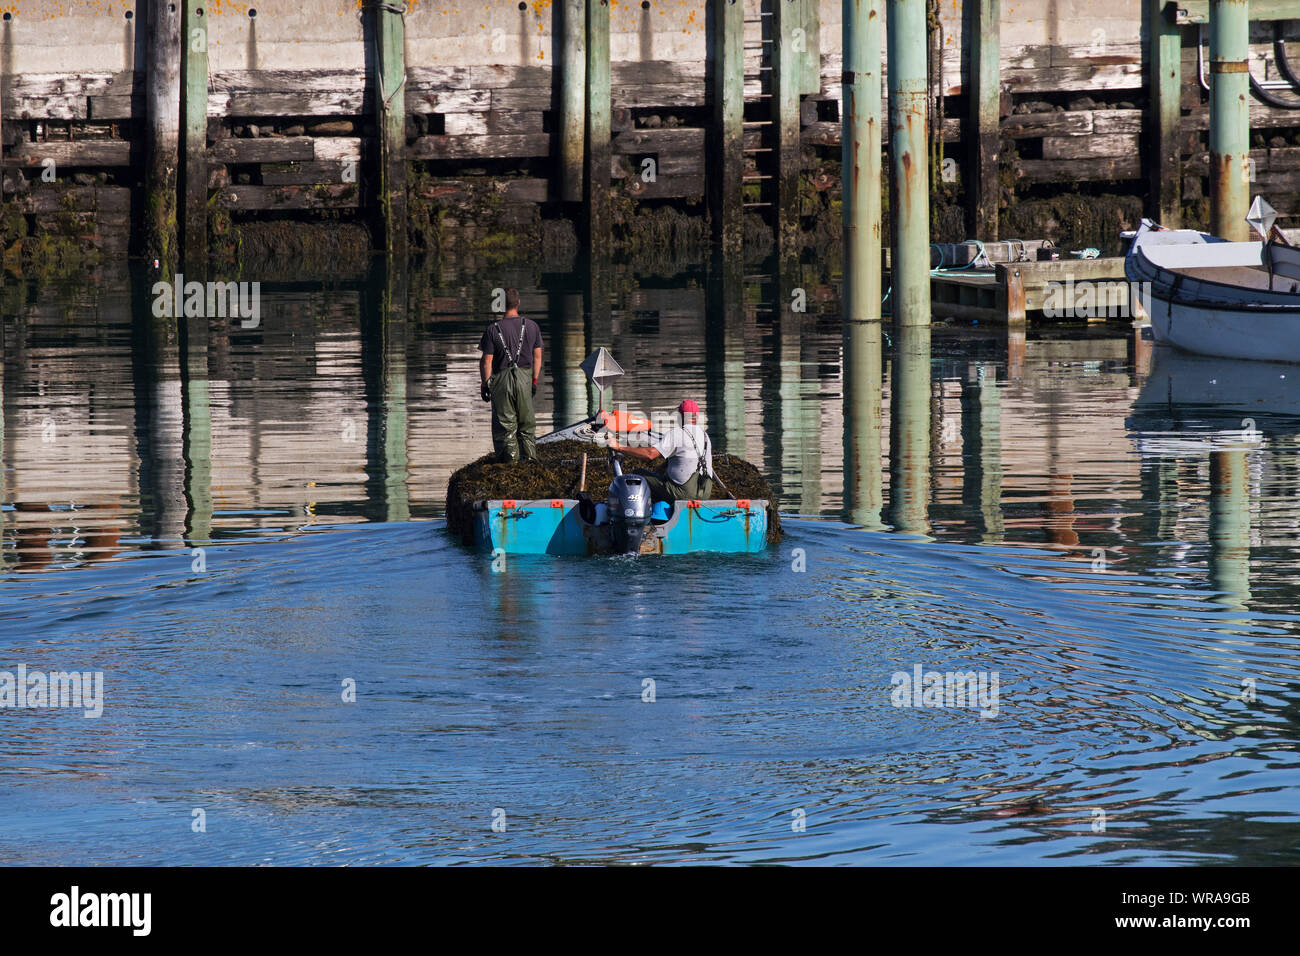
648 454
485 368
537 364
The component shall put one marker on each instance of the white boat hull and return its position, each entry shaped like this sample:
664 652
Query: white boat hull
1226 333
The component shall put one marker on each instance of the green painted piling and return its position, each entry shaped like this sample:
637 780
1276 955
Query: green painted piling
787 17
388 36
194 137
810 75
162 132
909 430
727 78
1230 526
1229 119
983 117
861 168
597 177
1164 83
909 159
573 97
862 372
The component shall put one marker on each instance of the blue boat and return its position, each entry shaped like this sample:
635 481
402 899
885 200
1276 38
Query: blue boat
558 526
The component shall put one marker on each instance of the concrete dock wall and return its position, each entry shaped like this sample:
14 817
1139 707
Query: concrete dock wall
289 115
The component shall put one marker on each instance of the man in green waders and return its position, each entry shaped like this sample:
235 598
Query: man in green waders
510 346
689 453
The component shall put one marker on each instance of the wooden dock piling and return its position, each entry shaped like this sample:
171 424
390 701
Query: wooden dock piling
1229 119
597 177
860 160
388 39
787 17
1164 117
810 76
983 117
194 138
163 120
573 98
910 167
727 78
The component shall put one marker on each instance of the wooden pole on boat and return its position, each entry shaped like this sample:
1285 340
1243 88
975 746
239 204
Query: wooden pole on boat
1229 119
909 152
582 473
162 136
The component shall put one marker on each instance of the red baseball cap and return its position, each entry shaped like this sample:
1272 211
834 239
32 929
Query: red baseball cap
688 407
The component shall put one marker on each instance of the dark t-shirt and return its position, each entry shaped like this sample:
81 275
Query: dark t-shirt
509 330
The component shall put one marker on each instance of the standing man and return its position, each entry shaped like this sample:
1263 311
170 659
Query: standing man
690 459
504 381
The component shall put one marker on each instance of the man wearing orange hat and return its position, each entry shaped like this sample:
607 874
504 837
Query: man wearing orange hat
689 454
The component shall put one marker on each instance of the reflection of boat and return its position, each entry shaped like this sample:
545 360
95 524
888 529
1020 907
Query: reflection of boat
1232 299
1199 393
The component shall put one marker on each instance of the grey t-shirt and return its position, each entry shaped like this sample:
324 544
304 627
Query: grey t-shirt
683 447
520 337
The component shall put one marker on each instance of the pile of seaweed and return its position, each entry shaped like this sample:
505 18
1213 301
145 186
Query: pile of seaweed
555 475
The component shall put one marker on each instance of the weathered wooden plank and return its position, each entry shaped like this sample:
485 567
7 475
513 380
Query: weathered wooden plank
526 99
480 147
1108 122
243 198
634 73
512 190
63 106
318 103
298 174
343 149
279 149
666 187
665 95
1087 147
115 107
449 101
492 123
487 77
1033 125
1080 76
659 140
825 133
51 199
75 153
1107 168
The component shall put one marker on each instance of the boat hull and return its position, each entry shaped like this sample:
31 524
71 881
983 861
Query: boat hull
556 527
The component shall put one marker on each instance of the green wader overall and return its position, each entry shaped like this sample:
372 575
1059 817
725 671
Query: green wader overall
514 427
697 488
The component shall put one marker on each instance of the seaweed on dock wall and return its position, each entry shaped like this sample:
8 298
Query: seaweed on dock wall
555 475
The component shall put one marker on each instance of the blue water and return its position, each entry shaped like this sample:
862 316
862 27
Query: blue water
523 690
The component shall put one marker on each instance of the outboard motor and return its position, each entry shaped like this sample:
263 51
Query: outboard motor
629 510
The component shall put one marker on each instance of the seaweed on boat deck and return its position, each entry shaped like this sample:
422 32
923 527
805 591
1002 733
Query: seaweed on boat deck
555 475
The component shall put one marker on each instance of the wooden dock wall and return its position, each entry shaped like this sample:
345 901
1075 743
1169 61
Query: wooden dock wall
289 112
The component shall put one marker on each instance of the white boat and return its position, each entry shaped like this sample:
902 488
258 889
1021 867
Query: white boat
1236 300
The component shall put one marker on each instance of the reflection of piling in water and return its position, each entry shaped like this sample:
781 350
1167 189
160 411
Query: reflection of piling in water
909 431
383 368
568 349
981 450
599 325
158 424
724 332
910 165
1230 526
862 423
196 429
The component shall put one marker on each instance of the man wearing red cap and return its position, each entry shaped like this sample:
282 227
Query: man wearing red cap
689 454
